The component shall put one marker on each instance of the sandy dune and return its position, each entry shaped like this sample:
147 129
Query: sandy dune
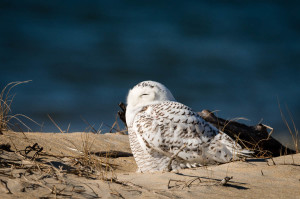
62 170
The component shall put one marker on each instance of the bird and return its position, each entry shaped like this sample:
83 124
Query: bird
166 135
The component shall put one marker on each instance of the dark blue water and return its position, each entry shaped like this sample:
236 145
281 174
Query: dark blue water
83 56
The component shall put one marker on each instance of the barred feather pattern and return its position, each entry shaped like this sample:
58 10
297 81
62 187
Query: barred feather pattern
160 129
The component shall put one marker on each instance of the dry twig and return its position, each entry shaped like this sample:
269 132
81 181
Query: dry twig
169 167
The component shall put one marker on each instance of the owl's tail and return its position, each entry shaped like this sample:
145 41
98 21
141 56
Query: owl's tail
243 153
227 150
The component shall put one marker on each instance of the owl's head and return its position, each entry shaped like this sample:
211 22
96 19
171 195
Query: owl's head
145 93
148 92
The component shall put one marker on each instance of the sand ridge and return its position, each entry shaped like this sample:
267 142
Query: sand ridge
60 171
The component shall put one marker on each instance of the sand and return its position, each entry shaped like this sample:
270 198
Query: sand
62 169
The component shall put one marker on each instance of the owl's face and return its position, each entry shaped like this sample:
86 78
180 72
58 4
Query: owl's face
148 92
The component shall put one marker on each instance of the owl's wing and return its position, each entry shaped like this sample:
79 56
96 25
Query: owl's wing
167 126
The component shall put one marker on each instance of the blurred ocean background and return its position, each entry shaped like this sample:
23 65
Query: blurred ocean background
237 57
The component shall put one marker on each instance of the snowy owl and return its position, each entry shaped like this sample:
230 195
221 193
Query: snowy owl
167 135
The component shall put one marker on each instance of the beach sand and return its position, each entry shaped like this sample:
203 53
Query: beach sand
69 166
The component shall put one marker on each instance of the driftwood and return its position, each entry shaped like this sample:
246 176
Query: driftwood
122 113
256 138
